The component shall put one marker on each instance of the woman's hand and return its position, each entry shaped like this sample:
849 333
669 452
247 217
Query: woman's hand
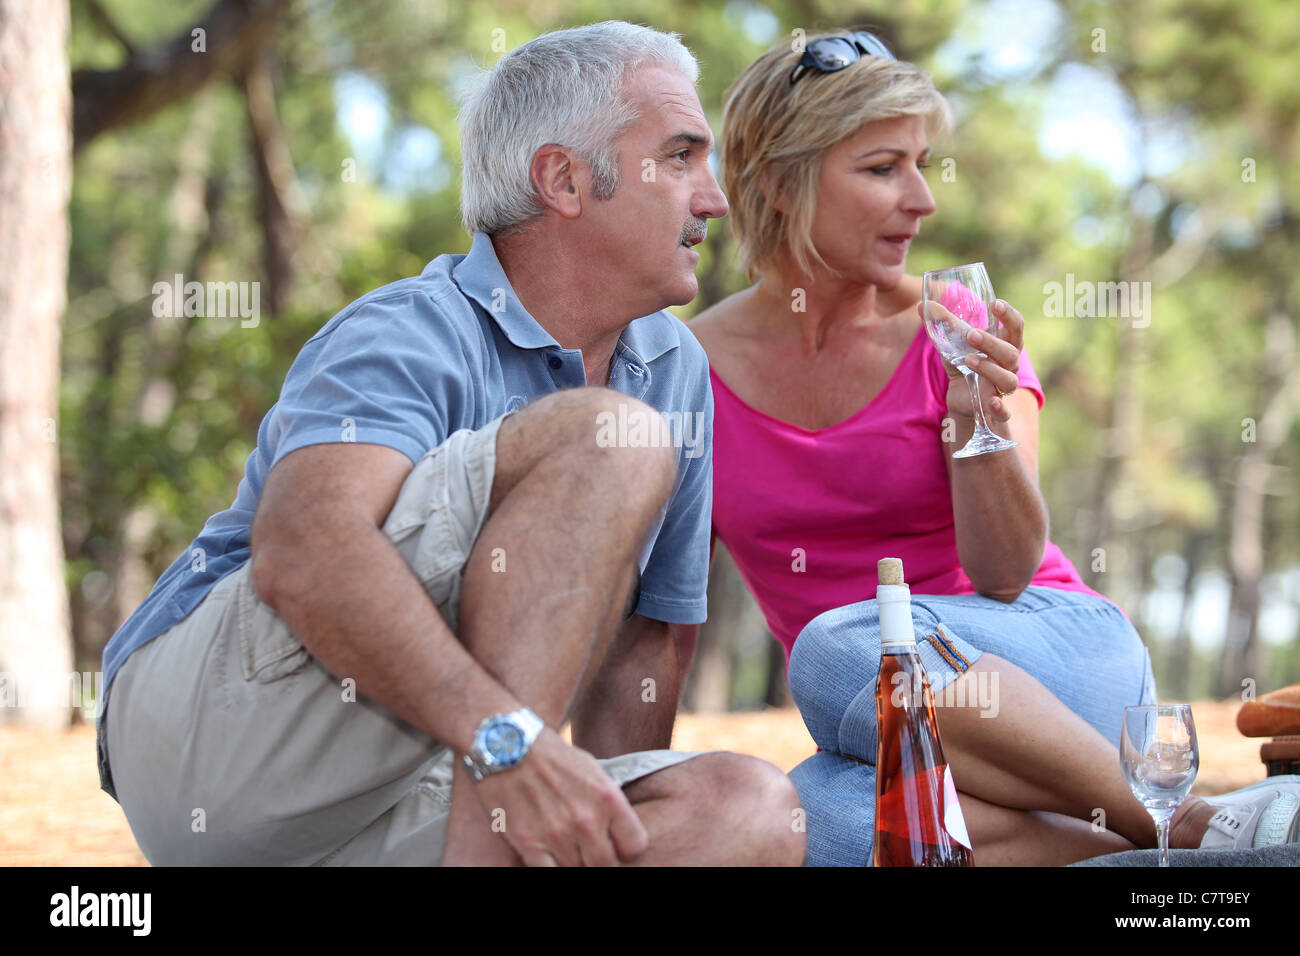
998 512
998 374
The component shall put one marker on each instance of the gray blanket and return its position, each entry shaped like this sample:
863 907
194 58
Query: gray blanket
1285 855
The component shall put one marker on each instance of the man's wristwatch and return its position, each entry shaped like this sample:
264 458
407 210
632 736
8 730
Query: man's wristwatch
501 742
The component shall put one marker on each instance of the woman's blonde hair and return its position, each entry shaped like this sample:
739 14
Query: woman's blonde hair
774 136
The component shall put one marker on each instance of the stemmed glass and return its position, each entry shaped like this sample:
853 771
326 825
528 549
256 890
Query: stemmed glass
1158 752
957 300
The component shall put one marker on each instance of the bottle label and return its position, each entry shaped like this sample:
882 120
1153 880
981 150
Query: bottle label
953 821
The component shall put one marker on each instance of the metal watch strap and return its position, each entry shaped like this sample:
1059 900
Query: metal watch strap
528 722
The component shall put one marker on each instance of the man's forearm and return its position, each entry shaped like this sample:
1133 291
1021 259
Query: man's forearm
631 705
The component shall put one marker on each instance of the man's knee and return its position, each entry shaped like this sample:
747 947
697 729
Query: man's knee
609 436
755 806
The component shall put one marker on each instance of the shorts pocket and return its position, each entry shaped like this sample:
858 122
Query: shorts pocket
268 650
421 523
437 554
426 523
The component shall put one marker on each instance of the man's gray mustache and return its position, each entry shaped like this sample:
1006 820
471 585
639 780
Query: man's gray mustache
700 232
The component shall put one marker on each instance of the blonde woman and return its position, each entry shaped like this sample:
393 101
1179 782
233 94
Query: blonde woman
831 451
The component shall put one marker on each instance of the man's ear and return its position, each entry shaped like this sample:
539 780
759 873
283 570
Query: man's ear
555 175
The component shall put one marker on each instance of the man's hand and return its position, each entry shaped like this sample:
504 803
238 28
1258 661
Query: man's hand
561 809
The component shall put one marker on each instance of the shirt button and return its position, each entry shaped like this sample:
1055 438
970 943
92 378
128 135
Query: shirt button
636 369
555 362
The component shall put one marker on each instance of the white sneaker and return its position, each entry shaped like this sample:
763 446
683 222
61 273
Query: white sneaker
1266 813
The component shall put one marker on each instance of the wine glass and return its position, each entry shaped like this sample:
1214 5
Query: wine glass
1157 749
957 300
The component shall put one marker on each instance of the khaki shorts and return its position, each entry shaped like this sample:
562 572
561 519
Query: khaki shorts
230 745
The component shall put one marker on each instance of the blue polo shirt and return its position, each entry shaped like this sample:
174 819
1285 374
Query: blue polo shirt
410 363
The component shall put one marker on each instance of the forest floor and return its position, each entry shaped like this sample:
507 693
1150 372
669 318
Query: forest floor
52 812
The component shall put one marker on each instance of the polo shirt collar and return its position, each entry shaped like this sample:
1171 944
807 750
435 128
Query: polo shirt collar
651 336
482 279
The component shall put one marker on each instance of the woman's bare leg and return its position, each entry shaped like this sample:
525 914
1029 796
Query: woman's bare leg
1038 755
1003 836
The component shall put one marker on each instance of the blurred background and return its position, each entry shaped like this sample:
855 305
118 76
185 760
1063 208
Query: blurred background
311 146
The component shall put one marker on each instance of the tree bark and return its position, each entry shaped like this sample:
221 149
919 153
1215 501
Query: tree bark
35 173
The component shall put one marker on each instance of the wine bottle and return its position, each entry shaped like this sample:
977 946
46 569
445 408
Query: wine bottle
918 817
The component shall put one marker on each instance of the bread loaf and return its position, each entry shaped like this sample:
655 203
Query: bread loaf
1272 715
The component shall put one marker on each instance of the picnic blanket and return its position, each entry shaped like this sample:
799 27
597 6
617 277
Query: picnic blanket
1287 854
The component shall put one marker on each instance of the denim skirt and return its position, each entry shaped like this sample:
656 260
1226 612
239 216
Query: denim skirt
1080 647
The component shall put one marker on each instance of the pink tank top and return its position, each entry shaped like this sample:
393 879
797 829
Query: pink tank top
806 514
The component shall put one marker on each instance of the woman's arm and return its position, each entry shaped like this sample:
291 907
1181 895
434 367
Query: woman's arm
998 511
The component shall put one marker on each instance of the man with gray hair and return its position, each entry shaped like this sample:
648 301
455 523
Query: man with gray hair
437 556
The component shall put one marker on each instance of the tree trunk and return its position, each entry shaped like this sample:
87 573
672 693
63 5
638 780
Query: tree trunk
1179 669
35 172
1117 501
1246 546
778 688
708 687
1143 577
279 204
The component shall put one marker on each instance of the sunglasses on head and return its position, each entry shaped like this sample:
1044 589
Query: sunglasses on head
831 54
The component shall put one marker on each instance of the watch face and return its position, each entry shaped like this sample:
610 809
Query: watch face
504 742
